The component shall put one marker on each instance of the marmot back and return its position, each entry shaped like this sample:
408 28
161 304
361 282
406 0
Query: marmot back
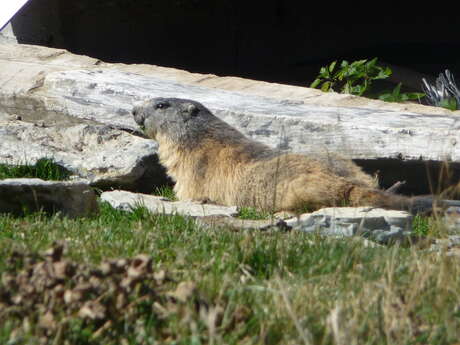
211 160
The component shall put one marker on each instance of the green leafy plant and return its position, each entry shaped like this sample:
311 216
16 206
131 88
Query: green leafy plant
354 78
357 77
421 225
448 103
397 96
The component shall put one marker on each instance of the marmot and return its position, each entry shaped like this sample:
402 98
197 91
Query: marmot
211 160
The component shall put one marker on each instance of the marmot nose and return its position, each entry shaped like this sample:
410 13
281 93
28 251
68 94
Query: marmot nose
138 117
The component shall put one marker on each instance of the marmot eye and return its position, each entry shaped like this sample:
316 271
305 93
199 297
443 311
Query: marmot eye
161 105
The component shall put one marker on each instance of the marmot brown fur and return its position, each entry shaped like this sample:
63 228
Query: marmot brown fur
211 160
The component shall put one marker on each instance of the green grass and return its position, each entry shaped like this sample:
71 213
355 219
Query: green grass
44 168
252 213
252 287
166 192
430 227
243 213
421 225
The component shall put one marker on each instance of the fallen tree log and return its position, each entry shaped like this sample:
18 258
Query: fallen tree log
63 88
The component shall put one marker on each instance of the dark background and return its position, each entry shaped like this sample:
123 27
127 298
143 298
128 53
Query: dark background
273 40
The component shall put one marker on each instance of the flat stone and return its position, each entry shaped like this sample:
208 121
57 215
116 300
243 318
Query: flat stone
451 241
127 201
368 217
450 246
242 224
71 198
451 219
380 225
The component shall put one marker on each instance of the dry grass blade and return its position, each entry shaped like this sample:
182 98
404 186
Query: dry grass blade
339 330
304 333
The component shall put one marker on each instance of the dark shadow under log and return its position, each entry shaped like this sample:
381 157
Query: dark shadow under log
422 177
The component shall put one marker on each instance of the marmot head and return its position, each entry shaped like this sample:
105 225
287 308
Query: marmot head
177 119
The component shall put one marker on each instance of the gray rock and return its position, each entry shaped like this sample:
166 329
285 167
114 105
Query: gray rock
395 234
382 226
98 153
447 243
7 34
450 246
127 201
451 220
71 198
243 224
454 240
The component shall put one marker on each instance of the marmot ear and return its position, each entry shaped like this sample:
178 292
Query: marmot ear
190 110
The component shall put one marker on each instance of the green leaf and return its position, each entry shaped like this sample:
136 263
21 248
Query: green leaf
351 72
340 74
315 83
332 66
386 97
323 72
397 90
371 63
415 95
402 98
359 63
449 103
326 87
384 73
357 89
397 96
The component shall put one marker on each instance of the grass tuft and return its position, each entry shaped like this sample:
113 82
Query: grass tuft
166 192
252 213
421 225
44 168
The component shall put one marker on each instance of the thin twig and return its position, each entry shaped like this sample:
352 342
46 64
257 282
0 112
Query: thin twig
395 187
